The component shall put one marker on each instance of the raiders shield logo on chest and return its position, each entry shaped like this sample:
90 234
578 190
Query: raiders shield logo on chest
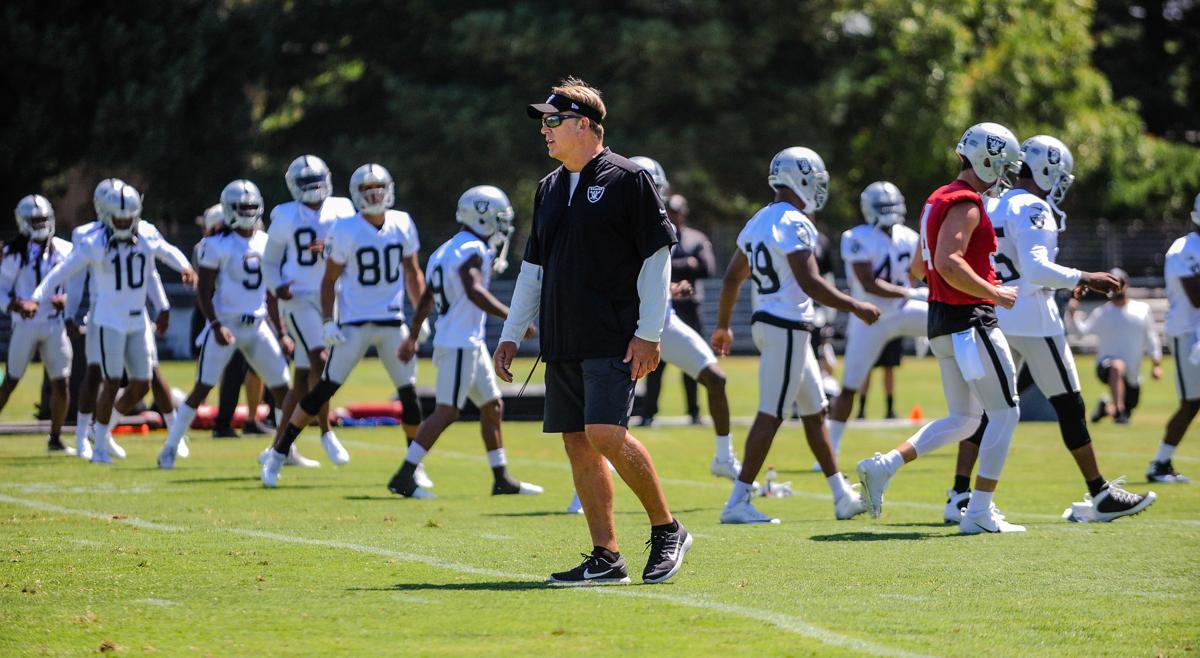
594 193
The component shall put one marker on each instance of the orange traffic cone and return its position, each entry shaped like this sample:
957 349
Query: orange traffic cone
916 414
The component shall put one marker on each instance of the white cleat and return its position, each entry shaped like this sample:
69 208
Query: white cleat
874 478
422 478
183 452
101 456
991 521
850 505
422 494
272 463
956 503
729 469
576 506
744 511
294 458
334 448
83 448
114 449
530 489
166 458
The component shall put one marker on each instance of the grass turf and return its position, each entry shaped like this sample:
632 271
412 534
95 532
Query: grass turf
202 560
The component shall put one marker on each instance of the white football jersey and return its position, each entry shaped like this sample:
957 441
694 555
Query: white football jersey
774 232
121 272
238 262
460 323
889 255
20 281
1183 261
1124 332
372 285
294 227
1027 239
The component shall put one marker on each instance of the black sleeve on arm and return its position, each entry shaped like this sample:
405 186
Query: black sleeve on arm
651 228
533 245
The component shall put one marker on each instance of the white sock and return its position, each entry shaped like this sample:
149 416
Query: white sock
415 453
495 457
100 436
183 420
278 416
980 502
836 429
837 484
1165 452
740 490
330 433
83 424
169 418
893 460
725 447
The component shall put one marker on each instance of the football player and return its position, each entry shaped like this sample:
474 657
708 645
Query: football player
122 259
458 274
878 254
293 266
775 251
1028 219
372 263
231 295
34 253
1182 272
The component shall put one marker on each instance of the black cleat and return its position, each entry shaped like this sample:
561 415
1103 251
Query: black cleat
1101 410
667 549
595 570
1121 418
1113 502
55 446
510 487
404 484
252 428
225 433
1165 472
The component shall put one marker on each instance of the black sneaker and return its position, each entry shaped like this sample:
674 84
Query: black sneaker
225 433
1113 502
55 446
1101 410
667 549
595 570
404 484
1121 418
646 421
1165 472
252 428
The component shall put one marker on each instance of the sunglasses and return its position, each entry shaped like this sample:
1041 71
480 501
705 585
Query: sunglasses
555 120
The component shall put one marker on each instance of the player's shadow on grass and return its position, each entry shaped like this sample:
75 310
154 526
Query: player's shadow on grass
559 512
881 536
218 479
490 586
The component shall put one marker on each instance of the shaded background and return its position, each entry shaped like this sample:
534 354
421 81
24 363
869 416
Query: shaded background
181 97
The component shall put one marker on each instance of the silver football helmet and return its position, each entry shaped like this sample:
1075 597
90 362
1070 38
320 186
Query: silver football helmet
1050 162
241 204
121 210
102 190
375 200
309 179
991 150
802 171
883 204
214 218
486 210
1196 211
35 217
656 172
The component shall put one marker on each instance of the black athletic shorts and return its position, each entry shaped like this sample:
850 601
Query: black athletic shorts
890 356
1133 392
587 392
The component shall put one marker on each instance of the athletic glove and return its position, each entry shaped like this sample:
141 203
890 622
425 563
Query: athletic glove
333 334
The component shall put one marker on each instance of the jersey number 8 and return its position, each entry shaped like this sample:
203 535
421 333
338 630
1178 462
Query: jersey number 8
370 271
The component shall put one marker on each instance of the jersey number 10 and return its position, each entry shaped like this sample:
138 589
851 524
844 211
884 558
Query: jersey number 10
130 268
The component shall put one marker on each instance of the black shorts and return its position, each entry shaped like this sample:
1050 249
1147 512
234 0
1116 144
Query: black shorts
890 357
1133 392
588 392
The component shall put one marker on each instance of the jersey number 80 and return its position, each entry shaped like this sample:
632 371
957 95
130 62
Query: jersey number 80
372 269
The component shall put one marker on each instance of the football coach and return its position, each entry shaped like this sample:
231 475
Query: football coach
596 274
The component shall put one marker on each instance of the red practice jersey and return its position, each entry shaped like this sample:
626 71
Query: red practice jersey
980 247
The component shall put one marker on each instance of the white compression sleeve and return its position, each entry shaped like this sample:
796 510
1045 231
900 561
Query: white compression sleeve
654 291
526 300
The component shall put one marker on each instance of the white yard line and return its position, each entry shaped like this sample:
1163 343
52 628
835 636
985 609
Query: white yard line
779 620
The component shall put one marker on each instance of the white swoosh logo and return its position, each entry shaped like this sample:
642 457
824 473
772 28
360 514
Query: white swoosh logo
588 575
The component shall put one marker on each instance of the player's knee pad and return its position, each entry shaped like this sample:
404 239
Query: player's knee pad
410 411
977 437
312 402
1071 423
997 438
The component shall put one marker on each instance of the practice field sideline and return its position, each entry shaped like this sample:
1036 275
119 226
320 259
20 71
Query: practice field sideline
202 560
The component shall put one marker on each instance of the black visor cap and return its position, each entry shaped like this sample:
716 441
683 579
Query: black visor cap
559 103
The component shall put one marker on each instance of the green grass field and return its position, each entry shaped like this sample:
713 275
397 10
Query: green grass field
203 561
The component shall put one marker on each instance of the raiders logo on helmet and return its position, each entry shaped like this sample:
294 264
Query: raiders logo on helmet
855 247
594 193
1038 219
1053 155
481 206
804 165
995 144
